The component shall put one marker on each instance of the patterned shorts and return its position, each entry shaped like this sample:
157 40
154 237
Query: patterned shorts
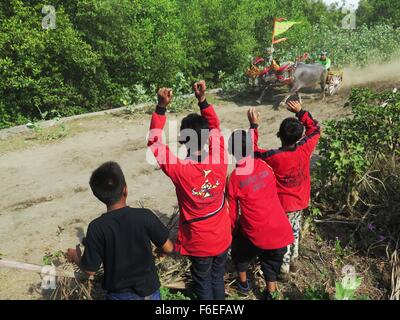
293 249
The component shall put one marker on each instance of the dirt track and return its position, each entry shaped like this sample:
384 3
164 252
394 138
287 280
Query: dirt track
45 202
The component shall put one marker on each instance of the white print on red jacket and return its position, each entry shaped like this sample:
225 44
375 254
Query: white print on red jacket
204 191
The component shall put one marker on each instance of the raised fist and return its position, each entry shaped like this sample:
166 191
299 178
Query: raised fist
200 90
294 106
165 96
254 116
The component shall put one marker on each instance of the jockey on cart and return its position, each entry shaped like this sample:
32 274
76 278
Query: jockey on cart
324 60
282 72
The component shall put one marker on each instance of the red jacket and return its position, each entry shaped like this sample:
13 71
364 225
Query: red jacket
263 220
204 226
292 167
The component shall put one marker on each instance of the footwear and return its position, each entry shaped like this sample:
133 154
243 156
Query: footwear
243 289
266 295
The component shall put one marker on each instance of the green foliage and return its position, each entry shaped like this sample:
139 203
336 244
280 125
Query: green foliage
379 11
347 293
109 53
316 292
181 85
59 130
350 148
359 47
166 294
344 291
181 103
340 251
275 295
50 257
315 212
138 94
43 70
233 83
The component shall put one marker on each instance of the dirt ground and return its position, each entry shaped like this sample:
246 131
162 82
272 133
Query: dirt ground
46 203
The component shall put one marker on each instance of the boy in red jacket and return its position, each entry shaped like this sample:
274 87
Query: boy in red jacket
263 229
204 233
291 165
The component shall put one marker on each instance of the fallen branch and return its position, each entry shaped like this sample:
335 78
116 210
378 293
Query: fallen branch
334 221
395 263
175 286
37 269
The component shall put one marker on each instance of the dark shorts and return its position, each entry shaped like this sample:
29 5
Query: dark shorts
244 252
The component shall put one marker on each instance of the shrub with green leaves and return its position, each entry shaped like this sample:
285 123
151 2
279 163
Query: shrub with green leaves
166 294
351 147
360 47
358 172
345 292
316 292
44 69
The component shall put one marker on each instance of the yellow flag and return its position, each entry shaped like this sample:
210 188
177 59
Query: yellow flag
282 27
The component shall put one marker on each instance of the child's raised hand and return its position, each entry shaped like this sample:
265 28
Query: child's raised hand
164 96
294 106
200 90
254 116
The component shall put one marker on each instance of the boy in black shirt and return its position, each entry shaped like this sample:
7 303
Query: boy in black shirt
121 240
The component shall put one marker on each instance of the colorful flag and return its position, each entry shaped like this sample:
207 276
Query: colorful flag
280 27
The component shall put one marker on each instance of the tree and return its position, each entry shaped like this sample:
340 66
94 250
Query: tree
379 11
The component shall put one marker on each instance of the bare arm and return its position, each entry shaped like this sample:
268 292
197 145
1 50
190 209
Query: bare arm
168 246
75 256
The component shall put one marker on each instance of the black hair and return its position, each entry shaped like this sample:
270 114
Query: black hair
290 131
200 127
108 182
240 144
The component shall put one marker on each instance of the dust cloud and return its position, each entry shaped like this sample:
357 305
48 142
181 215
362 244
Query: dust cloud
372 74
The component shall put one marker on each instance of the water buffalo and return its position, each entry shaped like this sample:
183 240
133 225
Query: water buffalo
304 76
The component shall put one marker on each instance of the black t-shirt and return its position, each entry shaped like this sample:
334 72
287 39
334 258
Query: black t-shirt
121 240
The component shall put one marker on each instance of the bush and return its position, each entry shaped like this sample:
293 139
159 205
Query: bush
166 294
44 70
358 172
235 83
359 47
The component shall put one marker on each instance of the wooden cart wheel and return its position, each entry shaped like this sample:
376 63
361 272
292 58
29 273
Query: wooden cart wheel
335 83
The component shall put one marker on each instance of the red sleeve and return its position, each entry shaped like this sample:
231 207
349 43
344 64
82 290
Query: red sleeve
313 132
208 112
233 202
254 138
216 150
167 161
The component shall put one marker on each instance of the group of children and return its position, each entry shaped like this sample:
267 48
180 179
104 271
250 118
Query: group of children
256 213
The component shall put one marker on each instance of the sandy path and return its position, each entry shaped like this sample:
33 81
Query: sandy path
45 186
